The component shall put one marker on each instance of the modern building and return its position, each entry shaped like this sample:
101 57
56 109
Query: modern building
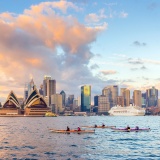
144 100
152 97
103 104
56 103
35 105
112 93
120 101
126 94
49 87
96 100
11 106
85 98
137 98
41 90
63 98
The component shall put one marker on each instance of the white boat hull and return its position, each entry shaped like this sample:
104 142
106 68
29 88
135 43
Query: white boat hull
127 111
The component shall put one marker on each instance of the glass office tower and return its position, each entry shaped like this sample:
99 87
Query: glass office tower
85 98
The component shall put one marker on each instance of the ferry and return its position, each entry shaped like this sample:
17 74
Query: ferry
50 114
131 110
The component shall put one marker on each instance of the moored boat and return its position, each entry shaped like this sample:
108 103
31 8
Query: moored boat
131 130
127 111
50 114
72 131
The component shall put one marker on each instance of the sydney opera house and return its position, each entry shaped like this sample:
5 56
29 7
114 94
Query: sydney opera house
34 105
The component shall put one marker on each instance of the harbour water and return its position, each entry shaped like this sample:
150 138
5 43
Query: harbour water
30 138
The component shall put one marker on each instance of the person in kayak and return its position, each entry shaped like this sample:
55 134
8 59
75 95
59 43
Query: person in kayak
103 125
78 129
137 128
68 129
95 126
128 128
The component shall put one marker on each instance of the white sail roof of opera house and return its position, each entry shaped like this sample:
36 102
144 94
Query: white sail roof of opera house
12 101
35 100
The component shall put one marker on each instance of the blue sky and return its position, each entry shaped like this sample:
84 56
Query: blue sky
92 42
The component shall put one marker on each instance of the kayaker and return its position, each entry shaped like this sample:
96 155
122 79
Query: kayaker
103 125
95 126
78 129
128 127
68 129
137 128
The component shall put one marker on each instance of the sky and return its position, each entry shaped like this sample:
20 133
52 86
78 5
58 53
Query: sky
79 42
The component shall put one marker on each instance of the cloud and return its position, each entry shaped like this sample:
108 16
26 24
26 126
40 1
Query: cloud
30 43
95 18
108 72
137 43
123 14
135 61
94 66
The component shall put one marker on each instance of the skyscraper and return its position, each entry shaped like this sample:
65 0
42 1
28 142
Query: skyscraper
112 93
137 98
85 98
63 98
126 94
152 97
49 87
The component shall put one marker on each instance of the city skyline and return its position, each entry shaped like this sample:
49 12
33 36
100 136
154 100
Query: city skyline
79 43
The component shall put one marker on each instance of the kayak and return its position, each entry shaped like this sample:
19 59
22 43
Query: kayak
98 127
131 130
73 131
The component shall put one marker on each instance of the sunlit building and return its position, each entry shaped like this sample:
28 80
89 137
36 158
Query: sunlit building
56 103
49 87
35 104
120 101
85 98
137 98
126 94
112 93
11 105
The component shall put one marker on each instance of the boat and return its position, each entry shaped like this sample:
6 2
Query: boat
98 126
131 110
72 131
131 130
50 114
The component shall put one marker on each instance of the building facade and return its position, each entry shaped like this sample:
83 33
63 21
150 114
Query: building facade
137 98
85 98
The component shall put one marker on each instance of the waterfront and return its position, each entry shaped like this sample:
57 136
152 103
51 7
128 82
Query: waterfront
30 138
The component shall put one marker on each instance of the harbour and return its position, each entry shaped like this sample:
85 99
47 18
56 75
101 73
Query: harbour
30 138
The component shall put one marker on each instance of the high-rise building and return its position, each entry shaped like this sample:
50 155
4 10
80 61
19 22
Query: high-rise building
152 97
56 103
63 98
126 94
70 101
137 98
120 101
41 90
96 100
49 87
144 100
112 93
31 86
103 104
85 98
